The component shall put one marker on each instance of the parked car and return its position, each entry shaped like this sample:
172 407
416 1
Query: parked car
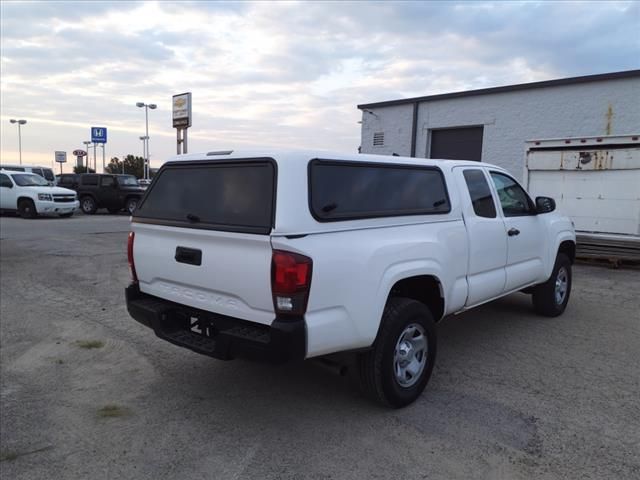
44 172
288 255
113 192
31 195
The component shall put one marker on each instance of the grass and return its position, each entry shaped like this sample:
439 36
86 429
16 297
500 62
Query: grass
111 411
88 344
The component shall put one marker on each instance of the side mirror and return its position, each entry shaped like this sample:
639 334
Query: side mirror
545 204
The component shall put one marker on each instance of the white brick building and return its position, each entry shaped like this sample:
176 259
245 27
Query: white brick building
492 124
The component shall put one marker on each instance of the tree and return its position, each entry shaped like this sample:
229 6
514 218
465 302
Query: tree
130 165
82 169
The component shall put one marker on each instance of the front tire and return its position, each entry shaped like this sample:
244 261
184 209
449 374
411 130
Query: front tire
551 297
131 205
398 367
88 205
27 209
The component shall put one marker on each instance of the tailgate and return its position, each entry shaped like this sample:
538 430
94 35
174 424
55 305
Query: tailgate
202 236
233 278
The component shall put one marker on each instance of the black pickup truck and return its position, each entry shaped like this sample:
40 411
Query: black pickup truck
113 192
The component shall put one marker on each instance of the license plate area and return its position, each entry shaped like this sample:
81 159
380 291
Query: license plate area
201 326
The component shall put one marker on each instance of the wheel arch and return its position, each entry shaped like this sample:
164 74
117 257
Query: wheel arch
20 199
426 289
568 247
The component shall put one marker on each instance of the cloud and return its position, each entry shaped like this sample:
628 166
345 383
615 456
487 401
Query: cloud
285 73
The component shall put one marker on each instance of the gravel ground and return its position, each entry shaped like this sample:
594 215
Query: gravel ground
512 396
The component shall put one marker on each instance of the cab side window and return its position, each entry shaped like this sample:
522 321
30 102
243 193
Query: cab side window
106 181
514 200
480 193
5 181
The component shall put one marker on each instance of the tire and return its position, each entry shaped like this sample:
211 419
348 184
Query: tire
383 378
131 204
66 215
113 211
551 297
27 209
88 205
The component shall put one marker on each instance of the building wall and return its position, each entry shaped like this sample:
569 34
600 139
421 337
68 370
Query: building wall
511 118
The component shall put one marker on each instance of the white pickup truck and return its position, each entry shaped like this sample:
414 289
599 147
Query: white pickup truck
291 255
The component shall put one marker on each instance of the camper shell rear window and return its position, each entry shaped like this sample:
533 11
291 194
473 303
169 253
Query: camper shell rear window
343 190
234 196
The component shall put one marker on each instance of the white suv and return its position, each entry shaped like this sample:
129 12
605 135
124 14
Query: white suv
285 255
31 195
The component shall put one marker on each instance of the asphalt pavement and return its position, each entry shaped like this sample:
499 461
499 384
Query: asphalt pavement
86 392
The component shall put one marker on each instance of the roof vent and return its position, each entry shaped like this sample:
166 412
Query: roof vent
220 152
378 139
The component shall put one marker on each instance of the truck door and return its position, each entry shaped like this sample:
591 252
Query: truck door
526 234
108 192
486 235
7 193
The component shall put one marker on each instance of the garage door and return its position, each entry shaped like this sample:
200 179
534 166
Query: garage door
457 143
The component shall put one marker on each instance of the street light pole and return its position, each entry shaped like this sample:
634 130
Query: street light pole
19 122
146 106
144 154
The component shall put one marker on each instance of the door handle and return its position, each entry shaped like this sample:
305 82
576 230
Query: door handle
189 256
513 232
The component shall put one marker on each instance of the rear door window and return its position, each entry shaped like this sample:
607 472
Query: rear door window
234 196
352 190
106 181
89 179
37 171
480 193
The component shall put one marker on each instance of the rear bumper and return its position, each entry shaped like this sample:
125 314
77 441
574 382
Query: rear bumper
220 336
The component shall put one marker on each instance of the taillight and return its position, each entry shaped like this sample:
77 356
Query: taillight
290 282
132 265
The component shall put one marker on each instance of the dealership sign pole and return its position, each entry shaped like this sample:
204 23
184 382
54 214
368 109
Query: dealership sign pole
61 157
181 106
98 135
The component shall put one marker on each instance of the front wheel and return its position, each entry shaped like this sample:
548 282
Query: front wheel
551 297
27 209
131 205
398 367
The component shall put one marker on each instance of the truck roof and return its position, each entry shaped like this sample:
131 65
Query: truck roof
294 155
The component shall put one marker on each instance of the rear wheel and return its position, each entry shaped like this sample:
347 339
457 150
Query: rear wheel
131 205
88 205
551 297
27 209
398 367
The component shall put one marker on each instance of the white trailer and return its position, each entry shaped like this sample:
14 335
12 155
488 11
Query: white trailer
596 182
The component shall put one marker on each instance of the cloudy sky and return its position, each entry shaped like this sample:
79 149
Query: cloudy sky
278 74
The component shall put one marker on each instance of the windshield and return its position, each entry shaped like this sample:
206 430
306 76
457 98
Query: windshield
29 180
127 180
